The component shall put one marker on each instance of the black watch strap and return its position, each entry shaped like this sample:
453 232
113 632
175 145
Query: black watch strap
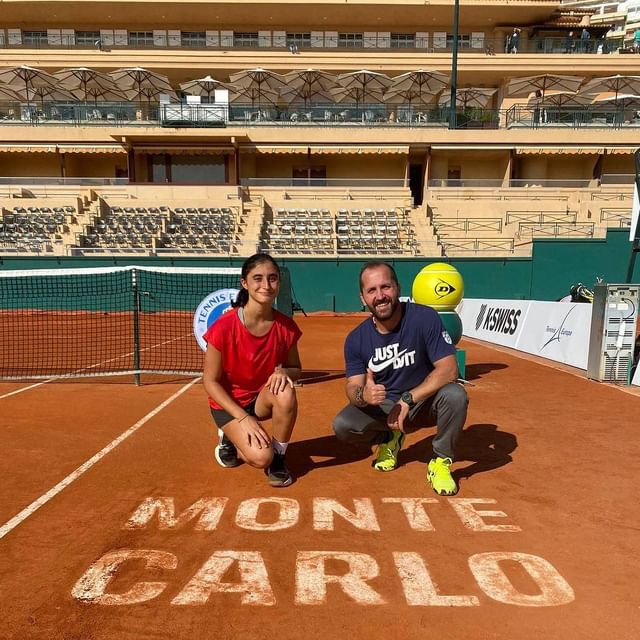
407 398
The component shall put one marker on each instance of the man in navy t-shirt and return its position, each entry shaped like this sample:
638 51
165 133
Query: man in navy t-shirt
401 373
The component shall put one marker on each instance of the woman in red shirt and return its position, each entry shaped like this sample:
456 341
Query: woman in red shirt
250 366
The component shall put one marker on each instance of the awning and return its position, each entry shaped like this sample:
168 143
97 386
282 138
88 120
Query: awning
182 149
360 149
620 150
333 149
471 147
275 148
583 150
61 148
28 148
91 148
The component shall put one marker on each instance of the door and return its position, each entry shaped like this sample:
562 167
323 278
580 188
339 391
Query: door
416 183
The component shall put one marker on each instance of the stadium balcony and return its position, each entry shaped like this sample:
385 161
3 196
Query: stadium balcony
245 40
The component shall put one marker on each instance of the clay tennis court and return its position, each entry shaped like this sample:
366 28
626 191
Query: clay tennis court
152 539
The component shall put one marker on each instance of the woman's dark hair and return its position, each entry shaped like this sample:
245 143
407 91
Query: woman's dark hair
248 266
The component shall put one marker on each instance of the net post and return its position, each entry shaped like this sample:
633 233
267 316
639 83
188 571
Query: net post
284 303
136 326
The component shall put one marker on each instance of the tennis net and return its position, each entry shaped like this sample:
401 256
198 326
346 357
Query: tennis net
110 321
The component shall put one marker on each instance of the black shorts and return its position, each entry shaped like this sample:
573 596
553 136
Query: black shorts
221 417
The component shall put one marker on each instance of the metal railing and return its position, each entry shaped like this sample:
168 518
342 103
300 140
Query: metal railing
46 181
612 196
118 114
620 217
113 114
477 245
446 226
555 229
373 114
540 217
617 178
496 183
520 115
344 183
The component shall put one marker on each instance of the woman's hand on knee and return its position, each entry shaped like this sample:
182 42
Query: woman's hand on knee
253 434
278 381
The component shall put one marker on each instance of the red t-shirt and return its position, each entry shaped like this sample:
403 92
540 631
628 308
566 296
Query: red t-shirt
248 361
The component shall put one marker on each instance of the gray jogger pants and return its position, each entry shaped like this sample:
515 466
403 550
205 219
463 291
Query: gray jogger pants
447 409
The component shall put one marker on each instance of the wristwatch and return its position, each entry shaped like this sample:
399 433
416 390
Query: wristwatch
407 398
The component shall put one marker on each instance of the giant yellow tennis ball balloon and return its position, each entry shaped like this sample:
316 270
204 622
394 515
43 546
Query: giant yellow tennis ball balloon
438 285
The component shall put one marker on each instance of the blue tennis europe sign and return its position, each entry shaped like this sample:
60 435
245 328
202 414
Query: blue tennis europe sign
209 310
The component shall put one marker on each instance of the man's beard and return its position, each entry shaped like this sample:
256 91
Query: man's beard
393 305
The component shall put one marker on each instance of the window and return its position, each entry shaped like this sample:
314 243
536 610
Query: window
300 40
141 38
403 40
464 41
245 38
34 38
310 176
350 40
87 37
200 169
194 39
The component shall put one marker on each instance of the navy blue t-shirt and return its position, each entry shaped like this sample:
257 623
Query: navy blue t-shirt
402 359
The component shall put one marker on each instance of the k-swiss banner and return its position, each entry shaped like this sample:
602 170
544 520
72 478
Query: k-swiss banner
497 321
556 330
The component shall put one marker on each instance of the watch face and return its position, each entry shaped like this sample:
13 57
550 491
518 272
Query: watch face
407 397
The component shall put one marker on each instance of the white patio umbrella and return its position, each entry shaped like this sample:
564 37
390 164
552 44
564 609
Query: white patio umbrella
96 93
142 82
308 81
421 84
85 82
361 86
50 93
257 84
7 94
620 101
629 85
305 95
560 99
358 95
203 86
26 78
543 83
409 97
469 97
255 95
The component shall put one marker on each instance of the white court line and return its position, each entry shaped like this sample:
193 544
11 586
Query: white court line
74 475
32 386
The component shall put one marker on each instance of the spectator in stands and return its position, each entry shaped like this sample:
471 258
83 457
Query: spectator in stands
569 43
250 366
584 40
514 40
402 374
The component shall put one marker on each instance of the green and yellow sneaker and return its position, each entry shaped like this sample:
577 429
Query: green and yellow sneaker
387 458
439 477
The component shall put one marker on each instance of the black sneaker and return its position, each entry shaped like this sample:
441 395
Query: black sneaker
226 452
277 472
